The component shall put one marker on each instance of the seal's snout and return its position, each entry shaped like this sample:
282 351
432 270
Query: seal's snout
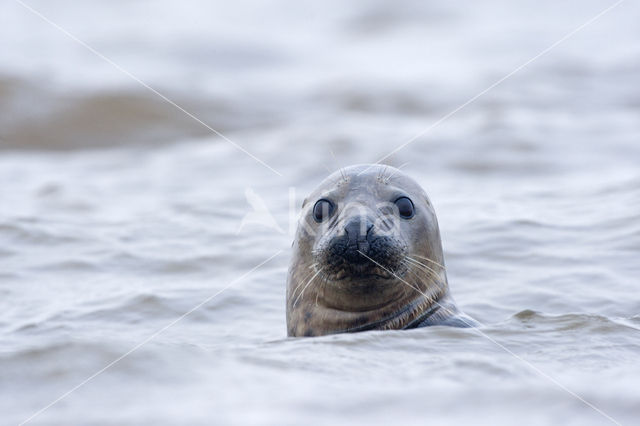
359 233
358 251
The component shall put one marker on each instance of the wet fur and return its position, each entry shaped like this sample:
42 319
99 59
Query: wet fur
403 286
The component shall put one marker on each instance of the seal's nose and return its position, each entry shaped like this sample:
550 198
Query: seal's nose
358 232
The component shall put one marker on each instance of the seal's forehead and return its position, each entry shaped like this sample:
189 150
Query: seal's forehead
370 177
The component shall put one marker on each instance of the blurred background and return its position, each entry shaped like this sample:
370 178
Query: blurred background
120 208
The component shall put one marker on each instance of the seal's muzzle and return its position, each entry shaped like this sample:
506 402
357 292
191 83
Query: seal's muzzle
351 253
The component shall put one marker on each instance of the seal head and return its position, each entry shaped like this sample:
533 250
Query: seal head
367 255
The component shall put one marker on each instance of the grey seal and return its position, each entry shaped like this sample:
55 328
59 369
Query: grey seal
367 255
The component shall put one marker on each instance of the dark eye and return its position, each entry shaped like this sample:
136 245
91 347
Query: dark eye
322 210
405 207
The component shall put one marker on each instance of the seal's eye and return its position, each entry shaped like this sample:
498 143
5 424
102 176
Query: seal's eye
322 210
405 207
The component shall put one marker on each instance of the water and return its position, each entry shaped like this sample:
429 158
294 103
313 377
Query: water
119 213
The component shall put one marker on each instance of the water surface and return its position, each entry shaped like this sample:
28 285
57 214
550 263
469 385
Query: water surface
119 213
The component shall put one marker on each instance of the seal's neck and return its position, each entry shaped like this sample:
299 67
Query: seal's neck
342 307
410 316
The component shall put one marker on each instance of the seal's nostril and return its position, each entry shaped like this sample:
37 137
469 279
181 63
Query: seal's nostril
358 230
369 235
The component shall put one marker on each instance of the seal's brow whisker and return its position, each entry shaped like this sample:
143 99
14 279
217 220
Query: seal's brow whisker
386 169
382 171
394 172
142 83
341 169
509 351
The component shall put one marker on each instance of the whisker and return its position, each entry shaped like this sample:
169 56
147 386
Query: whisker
411 271
437 278
431 298
383 170
394 172
423 265
327 168
322 285
305 287
429 260
421 278
335 160
417 262
431 270
392 272
312 267
430 294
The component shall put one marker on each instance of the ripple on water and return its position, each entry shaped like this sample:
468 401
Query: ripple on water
131 309
32 233
536 186
572 322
